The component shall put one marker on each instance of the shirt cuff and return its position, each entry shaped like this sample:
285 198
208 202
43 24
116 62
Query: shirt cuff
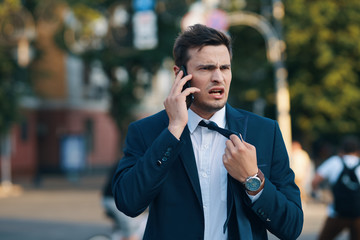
253 198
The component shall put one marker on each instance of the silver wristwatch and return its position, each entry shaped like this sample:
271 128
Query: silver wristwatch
253 183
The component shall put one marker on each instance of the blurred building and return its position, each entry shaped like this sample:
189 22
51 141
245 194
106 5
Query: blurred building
67 126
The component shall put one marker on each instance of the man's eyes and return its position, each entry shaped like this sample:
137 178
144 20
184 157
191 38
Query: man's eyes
208 68
214 67
225 67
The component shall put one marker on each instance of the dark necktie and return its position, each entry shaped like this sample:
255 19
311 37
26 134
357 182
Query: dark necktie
213 126
243 224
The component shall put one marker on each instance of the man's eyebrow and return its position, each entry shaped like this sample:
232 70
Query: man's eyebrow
213 65
206 65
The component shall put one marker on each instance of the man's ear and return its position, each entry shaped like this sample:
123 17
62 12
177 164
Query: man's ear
176 70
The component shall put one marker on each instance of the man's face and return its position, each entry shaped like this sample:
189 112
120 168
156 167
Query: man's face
211 71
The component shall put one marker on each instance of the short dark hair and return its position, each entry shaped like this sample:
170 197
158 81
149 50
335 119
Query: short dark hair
196 36
350 144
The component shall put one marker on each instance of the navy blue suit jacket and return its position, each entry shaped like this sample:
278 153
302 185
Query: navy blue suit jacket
159 172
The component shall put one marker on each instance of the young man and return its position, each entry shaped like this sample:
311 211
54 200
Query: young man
197 183
344 212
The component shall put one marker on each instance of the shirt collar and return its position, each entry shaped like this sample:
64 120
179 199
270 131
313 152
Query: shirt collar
219 118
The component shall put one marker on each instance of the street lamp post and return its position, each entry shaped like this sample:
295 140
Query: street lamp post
274 55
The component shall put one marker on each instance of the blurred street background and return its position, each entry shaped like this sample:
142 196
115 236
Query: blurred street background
74 74
60 210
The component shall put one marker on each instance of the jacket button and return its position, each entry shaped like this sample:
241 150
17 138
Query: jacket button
168 152
261 212
158 162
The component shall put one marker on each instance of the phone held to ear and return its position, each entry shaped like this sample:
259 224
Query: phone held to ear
190 97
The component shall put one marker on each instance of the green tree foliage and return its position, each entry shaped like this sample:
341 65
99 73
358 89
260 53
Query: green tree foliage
124 96
253 78
322 57
8 95
112 54
252 73
11 76
323 60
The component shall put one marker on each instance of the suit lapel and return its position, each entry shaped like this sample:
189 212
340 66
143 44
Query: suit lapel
188 158
236 121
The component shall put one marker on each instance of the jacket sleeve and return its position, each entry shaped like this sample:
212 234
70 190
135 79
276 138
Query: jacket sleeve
144 167
279 205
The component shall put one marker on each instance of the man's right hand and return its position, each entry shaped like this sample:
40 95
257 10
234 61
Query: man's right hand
175 104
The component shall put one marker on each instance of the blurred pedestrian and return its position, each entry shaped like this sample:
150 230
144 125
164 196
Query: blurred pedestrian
303 168
207 170
125 228
343 174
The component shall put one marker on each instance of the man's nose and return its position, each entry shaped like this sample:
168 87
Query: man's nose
217 75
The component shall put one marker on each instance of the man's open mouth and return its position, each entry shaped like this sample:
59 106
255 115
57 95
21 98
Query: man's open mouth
216 92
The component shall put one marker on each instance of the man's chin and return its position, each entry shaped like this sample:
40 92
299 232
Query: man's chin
217 105
211 107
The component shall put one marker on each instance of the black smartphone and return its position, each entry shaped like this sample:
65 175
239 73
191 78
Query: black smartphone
190 97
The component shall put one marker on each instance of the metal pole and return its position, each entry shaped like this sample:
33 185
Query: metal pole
274 55
5 161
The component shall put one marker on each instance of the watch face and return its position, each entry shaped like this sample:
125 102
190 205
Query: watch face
253 184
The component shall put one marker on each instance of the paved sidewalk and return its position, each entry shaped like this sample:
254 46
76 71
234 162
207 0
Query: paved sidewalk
61 210
56 210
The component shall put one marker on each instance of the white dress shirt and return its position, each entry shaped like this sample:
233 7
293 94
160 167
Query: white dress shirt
209 147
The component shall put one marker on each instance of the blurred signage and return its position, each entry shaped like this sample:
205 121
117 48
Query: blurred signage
199 13
217 19
72 153
143 5
145 30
